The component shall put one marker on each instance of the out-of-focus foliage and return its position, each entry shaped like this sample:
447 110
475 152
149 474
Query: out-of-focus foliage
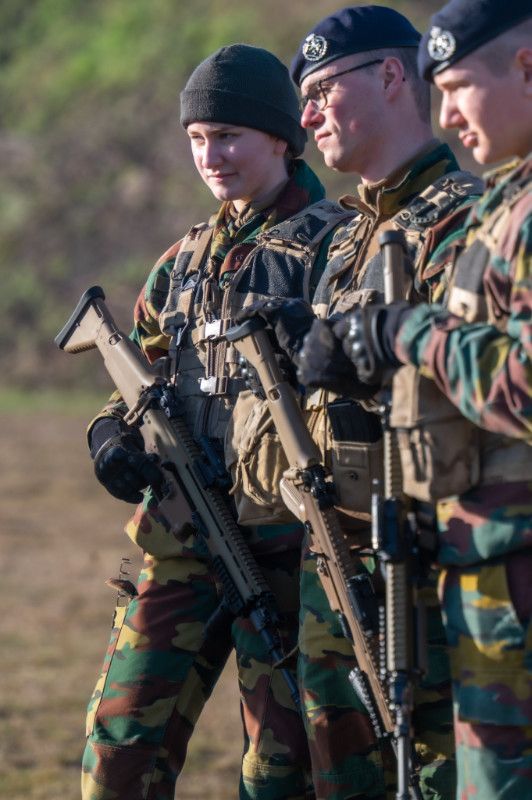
95 175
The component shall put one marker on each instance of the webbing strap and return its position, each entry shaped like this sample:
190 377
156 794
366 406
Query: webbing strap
201 244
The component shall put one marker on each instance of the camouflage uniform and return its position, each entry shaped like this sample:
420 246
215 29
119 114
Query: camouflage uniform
429 199
161 666
484 367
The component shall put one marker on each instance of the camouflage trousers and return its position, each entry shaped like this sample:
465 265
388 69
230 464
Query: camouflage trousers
487 610
160 670
346 759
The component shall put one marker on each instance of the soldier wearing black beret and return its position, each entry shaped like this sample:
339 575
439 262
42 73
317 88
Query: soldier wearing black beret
369 113
352 30
476 347
463 26
474 48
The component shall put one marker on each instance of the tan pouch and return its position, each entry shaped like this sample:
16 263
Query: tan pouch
439 448
354 466
257 462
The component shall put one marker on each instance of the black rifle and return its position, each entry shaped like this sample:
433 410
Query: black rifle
395 541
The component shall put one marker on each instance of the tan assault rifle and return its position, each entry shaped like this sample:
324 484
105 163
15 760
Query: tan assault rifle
190 501
309 494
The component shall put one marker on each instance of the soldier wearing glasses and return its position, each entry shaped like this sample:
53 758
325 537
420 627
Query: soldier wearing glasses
369 113
476 349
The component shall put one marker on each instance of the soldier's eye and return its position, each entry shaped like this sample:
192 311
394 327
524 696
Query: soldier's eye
316 95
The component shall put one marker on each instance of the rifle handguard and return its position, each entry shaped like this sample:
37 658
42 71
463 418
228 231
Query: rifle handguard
308 494
191 501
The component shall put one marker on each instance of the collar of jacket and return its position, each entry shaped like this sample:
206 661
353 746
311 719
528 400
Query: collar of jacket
303 188
230 245
493 176
387 197
501 183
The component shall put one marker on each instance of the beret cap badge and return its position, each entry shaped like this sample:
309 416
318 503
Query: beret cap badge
314 47
441 44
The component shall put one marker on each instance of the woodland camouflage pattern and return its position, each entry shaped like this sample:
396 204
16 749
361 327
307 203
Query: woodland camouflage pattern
485 368
354 275
346 758
487 609
160 669
334 712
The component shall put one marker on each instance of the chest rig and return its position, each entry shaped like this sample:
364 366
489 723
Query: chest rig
471 297
356 275
350 435
198 311
442 452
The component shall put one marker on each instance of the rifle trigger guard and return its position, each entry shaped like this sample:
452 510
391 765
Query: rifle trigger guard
146 399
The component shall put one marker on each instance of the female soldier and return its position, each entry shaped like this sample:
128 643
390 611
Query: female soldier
240 112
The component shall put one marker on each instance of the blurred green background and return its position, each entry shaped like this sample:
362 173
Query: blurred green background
95 175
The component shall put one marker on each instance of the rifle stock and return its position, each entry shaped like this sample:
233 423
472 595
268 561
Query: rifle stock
310 496
190 502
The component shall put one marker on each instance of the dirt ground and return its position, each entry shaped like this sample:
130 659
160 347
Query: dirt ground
60 538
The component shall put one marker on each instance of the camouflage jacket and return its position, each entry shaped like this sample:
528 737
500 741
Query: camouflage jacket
256 273
429 198
279 260
478 351
485 367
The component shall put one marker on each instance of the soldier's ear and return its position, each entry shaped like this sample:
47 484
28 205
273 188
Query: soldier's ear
523 58
280 146
393 73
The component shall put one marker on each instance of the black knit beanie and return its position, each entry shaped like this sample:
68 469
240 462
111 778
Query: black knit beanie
248 86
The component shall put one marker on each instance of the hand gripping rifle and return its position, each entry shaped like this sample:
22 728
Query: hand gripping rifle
189 501
309 494
394 539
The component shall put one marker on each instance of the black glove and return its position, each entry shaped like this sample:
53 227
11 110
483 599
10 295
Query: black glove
120 461
290 320
368 336
322 363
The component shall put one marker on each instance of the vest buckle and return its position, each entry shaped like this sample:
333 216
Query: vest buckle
213 385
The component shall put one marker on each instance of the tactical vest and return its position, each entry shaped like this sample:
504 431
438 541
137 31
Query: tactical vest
358 275
206 368
442 452
349 434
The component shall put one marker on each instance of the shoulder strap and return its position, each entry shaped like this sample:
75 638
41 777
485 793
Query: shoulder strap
468 297
188 261
438 200
308 227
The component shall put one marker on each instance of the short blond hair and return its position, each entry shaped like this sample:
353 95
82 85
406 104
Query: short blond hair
498 53
420 87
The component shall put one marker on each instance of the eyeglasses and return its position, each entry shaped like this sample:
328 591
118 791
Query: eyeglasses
318 94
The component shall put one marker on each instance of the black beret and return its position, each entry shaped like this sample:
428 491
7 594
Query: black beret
356 29
461 26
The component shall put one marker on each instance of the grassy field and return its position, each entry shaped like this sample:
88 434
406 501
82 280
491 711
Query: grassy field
61 537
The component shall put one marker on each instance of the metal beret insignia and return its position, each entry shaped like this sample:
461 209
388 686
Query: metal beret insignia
314 47
441 44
